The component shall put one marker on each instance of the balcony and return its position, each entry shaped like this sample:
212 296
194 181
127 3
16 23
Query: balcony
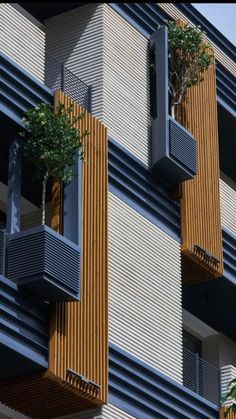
201 377
59 77
174 150
40 260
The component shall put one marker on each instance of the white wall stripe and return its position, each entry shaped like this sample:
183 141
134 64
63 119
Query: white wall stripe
106 412
228 373
22 40
145 314
228 204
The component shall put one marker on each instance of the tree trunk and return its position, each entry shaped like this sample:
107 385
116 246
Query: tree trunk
44 187
172 109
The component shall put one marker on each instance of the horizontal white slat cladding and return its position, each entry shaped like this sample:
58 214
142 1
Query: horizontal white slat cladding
106 412
228 373
105 51
228 205
145 313
173 12
22 40
76 38
112 412
126 84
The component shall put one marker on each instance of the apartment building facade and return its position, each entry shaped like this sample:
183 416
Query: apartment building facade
122 306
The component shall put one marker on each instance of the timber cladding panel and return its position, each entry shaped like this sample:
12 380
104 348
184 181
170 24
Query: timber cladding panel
231 415
78 330
200 203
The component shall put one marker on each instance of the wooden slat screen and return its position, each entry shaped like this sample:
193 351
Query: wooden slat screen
80 338
231 415
200 203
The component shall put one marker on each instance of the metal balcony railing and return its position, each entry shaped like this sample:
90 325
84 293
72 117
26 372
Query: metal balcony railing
201 377
2 251
229 253
57 76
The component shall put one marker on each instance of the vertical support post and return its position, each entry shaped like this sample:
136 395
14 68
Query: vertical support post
90 99
62 77
14 187
73 205
160 127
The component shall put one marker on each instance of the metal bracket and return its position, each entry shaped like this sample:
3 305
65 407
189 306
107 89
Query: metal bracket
206 256
84 381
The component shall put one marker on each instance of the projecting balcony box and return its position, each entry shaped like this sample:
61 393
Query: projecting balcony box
44 262
174 150
38 260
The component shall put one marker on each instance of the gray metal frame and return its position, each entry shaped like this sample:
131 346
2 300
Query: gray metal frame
174 150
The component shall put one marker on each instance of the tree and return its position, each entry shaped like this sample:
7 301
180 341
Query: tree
230 396
52 142
189 56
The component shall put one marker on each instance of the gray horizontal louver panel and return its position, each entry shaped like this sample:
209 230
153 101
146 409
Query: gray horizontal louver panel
24 328
183 146
62 262
45 262
20 90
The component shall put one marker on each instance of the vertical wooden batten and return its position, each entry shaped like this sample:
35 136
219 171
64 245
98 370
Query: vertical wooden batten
230 415
200 203
80 340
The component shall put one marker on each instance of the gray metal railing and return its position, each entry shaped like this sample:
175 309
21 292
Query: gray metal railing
57 76
200 376
229 253
2 250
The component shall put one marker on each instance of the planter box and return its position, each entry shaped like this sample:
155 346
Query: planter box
45 263
182 148
175 154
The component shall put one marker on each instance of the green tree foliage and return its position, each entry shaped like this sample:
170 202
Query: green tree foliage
231 397
189 57
52 142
